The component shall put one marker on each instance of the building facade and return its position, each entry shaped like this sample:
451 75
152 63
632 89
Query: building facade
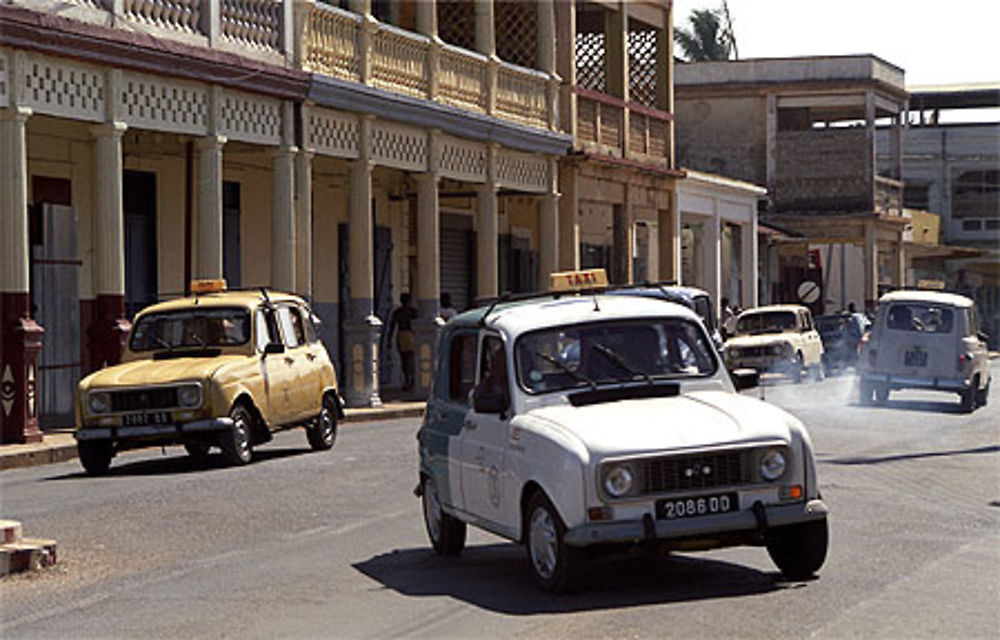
806 129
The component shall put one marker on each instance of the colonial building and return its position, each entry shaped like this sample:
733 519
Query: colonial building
806 129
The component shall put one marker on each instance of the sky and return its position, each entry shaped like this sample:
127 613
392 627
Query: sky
957 41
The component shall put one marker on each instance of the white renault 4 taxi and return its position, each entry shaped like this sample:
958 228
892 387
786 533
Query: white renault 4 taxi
579 423
926 340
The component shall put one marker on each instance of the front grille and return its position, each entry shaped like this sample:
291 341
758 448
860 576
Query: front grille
144 399
702 471
755 352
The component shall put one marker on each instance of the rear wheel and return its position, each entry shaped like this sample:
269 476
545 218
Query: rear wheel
799 550
818 373
983 395
881 394
553 563
95 456
447 534
235 443
968 398
322 433
797 368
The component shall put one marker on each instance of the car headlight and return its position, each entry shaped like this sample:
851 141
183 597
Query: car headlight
777 349
735 353
99 402
189 395
772 465
618 481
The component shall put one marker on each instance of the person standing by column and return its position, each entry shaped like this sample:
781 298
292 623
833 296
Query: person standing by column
447 311
401 324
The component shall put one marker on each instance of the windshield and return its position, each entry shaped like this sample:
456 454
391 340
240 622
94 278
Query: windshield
618 351
191 328
832 324
703 307
920 317
766 322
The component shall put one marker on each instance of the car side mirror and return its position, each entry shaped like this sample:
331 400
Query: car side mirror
489 401
745 379
274 347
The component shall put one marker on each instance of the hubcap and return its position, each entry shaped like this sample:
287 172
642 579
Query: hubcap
544 543
241 436
325 425
432 510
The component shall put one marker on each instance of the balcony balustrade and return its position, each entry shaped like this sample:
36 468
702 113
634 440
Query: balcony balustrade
601 128
343 45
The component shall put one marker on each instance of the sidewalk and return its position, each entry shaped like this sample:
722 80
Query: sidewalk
59 445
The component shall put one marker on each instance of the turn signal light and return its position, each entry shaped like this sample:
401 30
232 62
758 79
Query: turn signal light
600 513
793 492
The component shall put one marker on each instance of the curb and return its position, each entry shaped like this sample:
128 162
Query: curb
65 449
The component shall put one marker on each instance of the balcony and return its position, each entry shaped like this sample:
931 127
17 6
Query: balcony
349 47
259 29
607 125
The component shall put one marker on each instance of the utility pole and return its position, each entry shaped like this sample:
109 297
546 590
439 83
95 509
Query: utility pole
729 30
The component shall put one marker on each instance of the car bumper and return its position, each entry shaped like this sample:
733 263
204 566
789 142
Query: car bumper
908 382
153 430
736 521
777 364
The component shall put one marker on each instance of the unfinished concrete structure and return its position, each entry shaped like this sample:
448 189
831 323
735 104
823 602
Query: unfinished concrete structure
806 128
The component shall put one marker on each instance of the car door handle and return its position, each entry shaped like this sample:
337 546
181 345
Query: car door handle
289 360
311 356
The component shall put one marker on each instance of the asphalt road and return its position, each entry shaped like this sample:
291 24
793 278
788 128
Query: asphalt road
331 544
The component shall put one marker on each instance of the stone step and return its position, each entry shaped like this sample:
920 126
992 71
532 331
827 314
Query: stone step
10 531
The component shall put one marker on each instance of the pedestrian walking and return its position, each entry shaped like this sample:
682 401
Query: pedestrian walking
401 324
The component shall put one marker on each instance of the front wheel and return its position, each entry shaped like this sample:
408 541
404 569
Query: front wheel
235 443
797 368
447 534
554 565
881 394
95 456
322 433
799 550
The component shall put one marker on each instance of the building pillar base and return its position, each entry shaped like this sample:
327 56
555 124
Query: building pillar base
361 340
21 340
426 330
106 336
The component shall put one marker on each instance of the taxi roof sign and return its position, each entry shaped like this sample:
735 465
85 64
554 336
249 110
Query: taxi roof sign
208 286
932 285
578 280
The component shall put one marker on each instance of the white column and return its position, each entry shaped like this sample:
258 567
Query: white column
569 223
283 219
712 246
427 23
428 242
548 238
209 255
871 264
485 28
487 229
14 248
304 223
668 226
546 36
748 266
109 241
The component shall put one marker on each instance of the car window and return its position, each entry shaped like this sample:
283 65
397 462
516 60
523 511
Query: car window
264 329
492 367
765 322
309 322
616 351
462 367
920 317
291 326
191 328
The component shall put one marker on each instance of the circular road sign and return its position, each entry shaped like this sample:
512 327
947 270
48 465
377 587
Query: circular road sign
808 291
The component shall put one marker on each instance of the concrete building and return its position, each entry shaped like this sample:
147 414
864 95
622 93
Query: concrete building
806 129
951 161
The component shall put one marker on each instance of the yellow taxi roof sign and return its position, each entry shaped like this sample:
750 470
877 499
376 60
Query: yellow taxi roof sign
577 280
933 285
208 286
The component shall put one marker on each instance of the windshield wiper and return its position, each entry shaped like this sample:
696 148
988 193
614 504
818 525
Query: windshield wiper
579 377
163 343
608 353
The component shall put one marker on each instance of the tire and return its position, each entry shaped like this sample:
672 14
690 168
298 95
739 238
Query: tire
865 391
447 534
818 373
881 394
236 445
95 456
322 432
799 550
983 395
553 564
968 400
197 450
797 369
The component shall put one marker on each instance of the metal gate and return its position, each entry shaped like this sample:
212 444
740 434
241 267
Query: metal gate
139 204
456 257
56 301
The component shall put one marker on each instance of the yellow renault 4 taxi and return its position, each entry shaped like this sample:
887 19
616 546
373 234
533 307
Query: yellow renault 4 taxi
216 369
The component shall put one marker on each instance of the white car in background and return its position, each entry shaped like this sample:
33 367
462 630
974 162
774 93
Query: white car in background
575 424
926 340
776 339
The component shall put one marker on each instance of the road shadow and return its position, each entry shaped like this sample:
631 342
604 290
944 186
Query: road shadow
181 463
913 456
924 406
496 578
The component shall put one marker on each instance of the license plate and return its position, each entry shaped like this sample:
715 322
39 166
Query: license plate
673 508
915 358
142 419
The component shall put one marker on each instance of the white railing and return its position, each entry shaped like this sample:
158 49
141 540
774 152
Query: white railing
462 79
330 42
521 95
253 23
169 15
600 124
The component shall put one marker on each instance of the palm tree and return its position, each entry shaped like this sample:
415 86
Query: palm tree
707 39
